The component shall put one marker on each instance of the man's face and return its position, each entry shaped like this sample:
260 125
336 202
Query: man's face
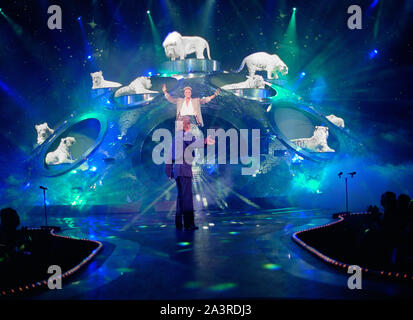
187 93
187 126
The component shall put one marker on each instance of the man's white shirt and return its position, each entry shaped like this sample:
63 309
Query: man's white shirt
187 110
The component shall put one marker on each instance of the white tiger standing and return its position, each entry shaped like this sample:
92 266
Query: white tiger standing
178 47
262 61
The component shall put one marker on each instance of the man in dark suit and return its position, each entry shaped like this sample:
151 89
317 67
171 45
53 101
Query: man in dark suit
179 167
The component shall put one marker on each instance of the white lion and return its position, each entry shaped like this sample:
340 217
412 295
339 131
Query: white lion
99 82
254 82
262 61
137 86
62 153
43 132
316 143
339 122
176 46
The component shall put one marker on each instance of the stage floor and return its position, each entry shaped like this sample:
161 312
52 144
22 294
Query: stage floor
232 255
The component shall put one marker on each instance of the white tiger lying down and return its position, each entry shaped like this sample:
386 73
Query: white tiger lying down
262 61
43 132
253 82
138 86
339 122
316 143
62 153
99 82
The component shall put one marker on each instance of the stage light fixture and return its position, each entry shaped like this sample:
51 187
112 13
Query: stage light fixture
79 18
89 57
148 12
302 74
373 53
294 9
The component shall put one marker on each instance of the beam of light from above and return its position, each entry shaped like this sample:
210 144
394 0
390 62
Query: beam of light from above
12 93
18 30
289 45
156 38
136 217
207 17
86 45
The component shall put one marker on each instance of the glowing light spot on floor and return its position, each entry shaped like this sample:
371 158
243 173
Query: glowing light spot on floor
205 227
271 266
163 225
183 244
233 232
223 286
142 227
211 224
111 237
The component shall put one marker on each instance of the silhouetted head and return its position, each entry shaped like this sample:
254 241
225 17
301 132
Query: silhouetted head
403 203
388 198
389 203
9 219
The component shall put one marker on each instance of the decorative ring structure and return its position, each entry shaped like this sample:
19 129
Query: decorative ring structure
92 127
292 120
190 66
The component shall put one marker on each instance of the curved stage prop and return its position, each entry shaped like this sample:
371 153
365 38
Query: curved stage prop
112 153
190 66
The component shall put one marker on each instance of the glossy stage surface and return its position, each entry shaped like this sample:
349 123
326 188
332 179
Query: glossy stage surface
232 255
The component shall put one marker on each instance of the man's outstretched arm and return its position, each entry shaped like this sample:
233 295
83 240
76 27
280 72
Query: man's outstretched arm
208 99
168 96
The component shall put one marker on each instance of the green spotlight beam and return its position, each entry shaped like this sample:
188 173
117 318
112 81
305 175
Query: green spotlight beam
376 23
16 28
156 37
289 45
